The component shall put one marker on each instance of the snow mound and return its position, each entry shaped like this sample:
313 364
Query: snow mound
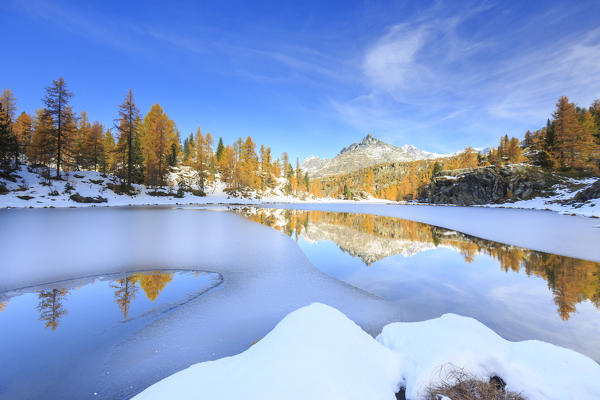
536 369
315 352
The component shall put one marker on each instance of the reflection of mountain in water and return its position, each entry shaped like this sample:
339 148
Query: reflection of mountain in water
372 238
368 247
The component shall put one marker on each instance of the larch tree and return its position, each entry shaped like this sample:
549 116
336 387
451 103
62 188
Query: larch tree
43 145
23 129
56 103
566 132
128 128
83 130
266 166
158 134
202 157
588 148
92 148
108 152
9 103
248 164
227 165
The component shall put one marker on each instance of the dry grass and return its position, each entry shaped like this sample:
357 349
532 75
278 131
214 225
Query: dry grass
458 384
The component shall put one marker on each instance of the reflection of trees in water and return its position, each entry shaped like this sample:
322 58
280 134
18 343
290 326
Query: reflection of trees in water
126 290
153 283
571 280
51 308
3 305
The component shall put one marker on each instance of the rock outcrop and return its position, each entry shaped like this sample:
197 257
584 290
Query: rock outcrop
589 193
488 185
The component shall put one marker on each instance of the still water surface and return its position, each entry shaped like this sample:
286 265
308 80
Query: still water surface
428 271
48 331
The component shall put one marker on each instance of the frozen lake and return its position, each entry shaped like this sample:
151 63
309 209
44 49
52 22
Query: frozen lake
101 303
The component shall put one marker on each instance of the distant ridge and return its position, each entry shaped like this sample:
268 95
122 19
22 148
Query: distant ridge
368 152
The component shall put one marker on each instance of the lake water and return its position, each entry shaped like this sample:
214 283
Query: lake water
111 335
46 332
428 271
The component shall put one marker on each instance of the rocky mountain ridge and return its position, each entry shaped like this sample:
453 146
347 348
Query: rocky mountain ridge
368 152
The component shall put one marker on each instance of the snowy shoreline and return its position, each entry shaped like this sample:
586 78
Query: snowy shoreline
329 351
535 229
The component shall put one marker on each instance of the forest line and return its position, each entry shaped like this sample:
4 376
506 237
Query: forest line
141 149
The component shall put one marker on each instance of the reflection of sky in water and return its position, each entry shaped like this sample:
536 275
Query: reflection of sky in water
437 281
93 321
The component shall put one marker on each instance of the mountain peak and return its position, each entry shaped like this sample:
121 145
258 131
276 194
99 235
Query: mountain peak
368 140
368 152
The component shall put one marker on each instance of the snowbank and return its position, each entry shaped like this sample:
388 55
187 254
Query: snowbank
315 352
318 353
562 201
538 370
30 190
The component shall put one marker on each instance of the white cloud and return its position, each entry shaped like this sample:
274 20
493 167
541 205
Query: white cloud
391 64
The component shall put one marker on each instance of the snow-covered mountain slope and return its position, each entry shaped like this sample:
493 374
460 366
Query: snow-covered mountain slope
370 151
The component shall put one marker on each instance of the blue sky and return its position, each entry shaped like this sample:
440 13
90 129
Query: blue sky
311 77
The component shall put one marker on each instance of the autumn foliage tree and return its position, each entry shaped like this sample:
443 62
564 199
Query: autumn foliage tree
129 156
56 103
23 130
158 134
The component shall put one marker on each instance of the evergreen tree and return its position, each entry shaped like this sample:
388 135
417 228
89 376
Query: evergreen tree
188 145
8 141
347 193
220 148
57 105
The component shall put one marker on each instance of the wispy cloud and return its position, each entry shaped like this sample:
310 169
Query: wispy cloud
434 67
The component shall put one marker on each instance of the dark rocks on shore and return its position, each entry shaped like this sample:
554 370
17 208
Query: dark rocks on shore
488 185
592 192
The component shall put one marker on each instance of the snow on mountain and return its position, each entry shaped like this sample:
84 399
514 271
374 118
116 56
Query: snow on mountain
370 151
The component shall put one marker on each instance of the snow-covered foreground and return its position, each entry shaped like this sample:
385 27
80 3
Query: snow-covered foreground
316 352
571 236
